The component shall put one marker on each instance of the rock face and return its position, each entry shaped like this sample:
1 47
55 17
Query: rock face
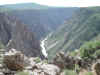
5 29
43 21
16 35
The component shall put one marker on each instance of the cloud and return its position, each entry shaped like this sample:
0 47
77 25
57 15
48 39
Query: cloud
73 3
68 3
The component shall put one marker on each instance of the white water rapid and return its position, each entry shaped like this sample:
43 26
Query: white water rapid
43 47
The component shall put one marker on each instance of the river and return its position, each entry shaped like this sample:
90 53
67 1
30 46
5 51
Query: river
44 51
43 47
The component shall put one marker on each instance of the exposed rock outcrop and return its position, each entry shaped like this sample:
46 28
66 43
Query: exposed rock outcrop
46 69
64 61
15 61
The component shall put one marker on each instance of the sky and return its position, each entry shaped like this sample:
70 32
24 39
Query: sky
65 3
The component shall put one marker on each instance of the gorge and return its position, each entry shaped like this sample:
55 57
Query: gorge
50 40
65 23
40 20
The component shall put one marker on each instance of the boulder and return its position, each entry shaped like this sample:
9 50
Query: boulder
15 61
63 61
46 69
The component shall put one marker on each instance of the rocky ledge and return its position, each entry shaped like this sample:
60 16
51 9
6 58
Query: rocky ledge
15 61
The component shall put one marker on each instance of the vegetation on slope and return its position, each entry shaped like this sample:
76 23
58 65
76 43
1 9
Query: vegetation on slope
83 26
90 50
1 46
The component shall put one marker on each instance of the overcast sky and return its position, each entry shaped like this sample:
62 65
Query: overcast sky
67 3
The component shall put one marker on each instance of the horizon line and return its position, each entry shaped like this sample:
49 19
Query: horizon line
48 5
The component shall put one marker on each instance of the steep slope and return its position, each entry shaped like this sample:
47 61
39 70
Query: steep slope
83 26
39 18
16 35
43 21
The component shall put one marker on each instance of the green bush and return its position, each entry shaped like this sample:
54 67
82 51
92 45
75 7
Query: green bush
37 60
88 49
45 61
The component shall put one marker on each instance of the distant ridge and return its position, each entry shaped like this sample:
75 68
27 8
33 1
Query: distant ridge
22 6
40 19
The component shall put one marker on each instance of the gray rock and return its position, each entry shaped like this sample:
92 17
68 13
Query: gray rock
46 69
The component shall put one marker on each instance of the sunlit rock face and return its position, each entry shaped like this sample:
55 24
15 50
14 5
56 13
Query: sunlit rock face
16 35
46 69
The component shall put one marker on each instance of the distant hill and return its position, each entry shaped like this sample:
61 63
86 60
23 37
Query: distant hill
23 6
82 27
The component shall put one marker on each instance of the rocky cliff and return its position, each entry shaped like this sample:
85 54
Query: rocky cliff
40 19
16 35
43 21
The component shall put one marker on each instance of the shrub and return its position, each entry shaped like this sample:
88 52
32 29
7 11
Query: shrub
88 49
37 60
